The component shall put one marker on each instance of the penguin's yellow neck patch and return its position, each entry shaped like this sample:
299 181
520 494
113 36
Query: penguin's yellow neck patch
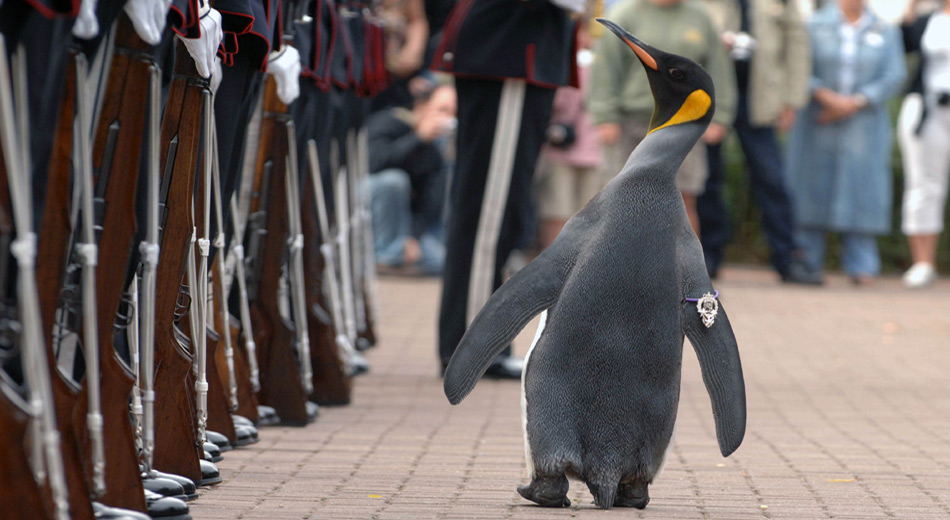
695 107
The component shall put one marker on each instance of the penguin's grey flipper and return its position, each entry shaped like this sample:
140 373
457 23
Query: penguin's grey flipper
722 373
530 291
715 347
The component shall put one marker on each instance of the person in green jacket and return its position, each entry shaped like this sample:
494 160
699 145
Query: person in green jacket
620 101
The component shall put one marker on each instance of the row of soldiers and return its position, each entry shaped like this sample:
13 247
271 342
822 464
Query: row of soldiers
185 252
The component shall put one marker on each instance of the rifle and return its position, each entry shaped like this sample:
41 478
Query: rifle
22 498
14 140
54 247
176 450
353 362
281 386
116 154
332 383
198 280
295 266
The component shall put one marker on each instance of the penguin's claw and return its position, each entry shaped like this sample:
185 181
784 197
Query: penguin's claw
632 495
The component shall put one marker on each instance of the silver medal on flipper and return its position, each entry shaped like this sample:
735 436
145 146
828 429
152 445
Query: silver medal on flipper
708 309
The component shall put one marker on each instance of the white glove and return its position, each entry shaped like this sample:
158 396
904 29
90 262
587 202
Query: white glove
216 75
148 18
284 65
87 25
575 6
204 48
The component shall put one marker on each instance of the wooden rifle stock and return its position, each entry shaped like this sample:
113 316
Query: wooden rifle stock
281 386
21 498
118 142
53 247
176 446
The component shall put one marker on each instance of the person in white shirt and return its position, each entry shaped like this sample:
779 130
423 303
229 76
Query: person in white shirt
924 134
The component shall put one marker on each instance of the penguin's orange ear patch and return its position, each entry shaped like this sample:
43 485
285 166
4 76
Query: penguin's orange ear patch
695 107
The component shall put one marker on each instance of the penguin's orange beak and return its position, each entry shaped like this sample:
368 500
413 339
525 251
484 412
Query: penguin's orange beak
640 48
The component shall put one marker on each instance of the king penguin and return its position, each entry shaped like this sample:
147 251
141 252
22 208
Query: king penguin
601 383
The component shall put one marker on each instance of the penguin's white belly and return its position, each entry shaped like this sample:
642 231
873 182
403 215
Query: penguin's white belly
524 401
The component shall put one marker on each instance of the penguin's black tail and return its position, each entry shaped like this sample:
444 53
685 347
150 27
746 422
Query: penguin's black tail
533 289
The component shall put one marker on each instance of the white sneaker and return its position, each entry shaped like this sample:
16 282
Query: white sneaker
920 275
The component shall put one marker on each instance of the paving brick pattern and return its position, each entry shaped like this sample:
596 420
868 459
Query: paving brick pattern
849 417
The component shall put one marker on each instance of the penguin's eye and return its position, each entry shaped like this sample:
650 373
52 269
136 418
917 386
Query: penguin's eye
677 73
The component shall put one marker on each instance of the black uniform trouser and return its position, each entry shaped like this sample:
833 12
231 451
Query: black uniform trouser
234 106
476 246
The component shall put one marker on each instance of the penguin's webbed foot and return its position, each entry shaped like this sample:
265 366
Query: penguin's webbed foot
632 494
547 491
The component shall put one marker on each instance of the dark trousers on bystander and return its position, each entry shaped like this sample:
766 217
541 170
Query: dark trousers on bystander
764 163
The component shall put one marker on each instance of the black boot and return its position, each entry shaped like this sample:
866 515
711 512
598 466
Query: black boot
268 415
218 439
165 508
187 486
104 512
209 474
165 487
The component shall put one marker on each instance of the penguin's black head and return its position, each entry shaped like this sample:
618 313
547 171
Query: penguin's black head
682 89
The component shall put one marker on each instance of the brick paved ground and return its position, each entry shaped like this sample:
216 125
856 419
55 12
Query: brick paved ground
849 417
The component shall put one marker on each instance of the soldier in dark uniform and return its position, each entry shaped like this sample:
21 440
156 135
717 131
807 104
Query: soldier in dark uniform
507 56
251 31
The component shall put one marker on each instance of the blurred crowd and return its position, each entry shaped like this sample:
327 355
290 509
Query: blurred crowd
804 87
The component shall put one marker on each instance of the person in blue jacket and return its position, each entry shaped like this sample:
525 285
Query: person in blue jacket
839 153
